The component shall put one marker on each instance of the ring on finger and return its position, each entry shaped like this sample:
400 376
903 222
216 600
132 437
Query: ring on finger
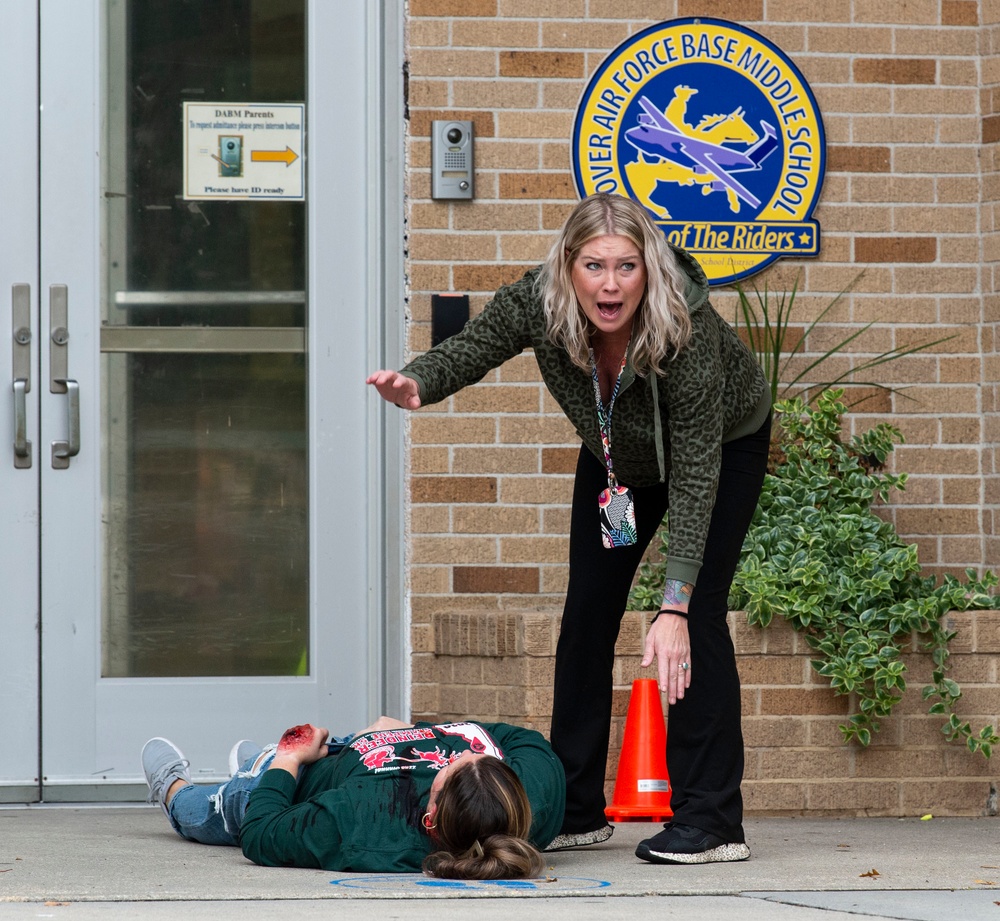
685 665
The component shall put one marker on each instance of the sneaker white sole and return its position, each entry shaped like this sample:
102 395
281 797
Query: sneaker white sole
722 854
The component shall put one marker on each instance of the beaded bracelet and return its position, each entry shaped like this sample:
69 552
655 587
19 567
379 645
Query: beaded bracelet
668 611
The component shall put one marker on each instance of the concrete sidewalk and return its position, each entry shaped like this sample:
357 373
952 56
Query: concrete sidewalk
76 863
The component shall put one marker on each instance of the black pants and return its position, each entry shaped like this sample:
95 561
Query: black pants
704 736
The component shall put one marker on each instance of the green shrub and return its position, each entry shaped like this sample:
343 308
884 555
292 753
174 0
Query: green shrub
817 555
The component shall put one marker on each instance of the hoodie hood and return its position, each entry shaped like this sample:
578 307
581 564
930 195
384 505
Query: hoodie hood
696 287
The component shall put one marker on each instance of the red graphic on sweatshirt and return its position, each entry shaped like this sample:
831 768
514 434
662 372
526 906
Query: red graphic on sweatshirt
379 750
480 741
378 757
437 758
372 740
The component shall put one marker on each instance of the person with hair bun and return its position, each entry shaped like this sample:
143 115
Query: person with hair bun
481 821
673 412
462 800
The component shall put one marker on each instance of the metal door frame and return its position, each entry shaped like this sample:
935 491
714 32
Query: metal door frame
19 516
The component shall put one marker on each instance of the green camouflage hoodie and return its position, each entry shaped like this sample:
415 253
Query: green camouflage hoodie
665 428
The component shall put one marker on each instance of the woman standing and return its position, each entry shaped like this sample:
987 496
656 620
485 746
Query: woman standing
674 413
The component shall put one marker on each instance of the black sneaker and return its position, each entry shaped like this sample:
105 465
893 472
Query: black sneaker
684 844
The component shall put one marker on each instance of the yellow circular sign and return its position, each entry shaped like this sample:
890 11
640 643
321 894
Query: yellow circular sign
715 131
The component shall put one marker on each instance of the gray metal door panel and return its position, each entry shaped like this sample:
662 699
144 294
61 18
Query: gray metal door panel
117 535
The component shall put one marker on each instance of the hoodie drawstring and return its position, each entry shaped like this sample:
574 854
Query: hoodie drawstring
658 426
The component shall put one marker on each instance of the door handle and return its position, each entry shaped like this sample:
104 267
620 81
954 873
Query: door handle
20 300
62 451
22 447
59 380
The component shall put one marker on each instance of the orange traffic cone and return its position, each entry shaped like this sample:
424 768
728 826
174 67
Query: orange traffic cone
642 787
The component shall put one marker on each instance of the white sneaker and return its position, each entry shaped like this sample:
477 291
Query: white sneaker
241 753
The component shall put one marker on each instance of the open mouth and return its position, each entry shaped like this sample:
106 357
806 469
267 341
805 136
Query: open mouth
609 311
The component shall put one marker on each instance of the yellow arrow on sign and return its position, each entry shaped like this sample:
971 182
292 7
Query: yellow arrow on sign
286 156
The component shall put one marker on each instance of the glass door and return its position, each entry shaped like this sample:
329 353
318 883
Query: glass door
207 486
203 369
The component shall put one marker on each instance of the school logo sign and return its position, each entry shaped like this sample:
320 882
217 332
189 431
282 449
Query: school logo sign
715 131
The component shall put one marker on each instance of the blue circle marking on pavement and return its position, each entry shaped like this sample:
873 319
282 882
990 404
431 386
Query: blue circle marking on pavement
388 882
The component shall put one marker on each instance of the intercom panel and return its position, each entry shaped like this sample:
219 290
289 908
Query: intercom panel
451 159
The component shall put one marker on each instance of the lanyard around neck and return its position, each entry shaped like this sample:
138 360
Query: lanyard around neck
604 415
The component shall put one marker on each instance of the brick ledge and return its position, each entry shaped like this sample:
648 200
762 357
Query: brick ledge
498 665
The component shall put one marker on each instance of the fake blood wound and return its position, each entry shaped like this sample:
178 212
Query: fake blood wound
296 737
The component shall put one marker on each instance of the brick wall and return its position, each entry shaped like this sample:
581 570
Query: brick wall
498 666
908 93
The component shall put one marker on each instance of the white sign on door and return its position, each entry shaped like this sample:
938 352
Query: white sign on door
241 150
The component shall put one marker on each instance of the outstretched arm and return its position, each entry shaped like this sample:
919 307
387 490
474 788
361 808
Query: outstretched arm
396 388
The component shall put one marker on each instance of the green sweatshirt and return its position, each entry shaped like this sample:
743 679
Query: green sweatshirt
361 809
671 426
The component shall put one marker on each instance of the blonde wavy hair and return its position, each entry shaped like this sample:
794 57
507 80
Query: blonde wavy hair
482 825
662 325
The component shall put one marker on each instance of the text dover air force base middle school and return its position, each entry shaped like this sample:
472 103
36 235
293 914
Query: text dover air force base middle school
715 131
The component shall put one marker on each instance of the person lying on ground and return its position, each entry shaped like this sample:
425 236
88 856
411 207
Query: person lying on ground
462 800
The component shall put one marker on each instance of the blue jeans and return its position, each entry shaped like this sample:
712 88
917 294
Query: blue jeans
214 814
